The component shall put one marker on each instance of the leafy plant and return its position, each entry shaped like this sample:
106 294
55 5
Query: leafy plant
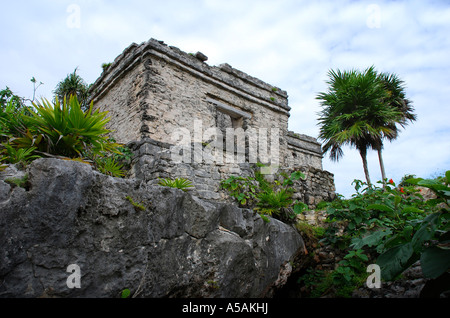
372 209
178 183
110 167
392 226
126 293
65 129
268 198
243 189
18 182
12 109
273 202
124 155
429 241
18 155
73 85
105 66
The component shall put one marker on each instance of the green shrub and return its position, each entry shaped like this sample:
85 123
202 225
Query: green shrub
267 198
73 85
17 155
243 189
178 183
109 166
393 227
62 130
12 110
66 130
272 202
427 239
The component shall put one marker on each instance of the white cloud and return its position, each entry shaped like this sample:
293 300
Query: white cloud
291 44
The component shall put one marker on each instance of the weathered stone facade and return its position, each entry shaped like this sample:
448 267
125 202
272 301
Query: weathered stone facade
159 97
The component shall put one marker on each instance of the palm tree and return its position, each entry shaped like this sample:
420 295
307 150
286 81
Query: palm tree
73 84
354 114
395 98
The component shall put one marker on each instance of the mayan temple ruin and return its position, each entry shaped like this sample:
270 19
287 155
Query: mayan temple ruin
186 119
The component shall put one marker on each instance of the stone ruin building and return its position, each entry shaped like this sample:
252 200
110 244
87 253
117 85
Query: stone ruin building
163 103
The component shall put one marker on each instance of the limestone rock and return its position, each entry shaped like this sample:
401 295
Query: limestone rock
178 246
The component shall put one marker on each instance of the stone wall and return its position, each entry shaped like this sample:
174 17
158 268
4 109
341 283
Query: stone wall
153 160
158 96
151 90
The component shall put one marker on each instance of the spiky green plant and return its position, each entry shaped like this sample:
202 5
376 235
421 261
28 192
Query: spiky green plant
17 155
110 167
272 202
65 129
179 183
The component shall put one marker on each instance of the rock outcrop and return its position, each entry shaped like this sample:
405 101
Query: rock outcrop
126 234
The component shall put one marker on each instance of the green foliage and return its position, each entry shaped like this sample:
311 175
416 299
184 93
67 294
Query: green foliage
243 189
62 130
12 109
178 183
17 155
126 293
268 199
310 232
427 239
110 167
392 226
374 209
115 164
272 202
349 272
73 85
137 206
18 182
105 66
66 130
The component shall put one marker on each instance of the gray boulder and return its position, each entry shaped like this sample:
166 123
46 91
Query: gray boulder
125 234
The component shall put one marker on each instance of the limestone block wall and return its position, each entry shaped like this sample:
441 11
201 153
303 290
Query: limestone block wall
153 160
158 96
152 89
302 151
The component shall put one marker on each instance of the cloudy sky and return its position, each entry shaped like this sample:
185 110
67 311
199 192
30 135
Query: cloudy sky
291 44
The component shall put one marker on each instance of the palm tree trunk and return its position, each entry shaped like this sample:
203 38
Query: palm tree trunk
363 153
383 172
